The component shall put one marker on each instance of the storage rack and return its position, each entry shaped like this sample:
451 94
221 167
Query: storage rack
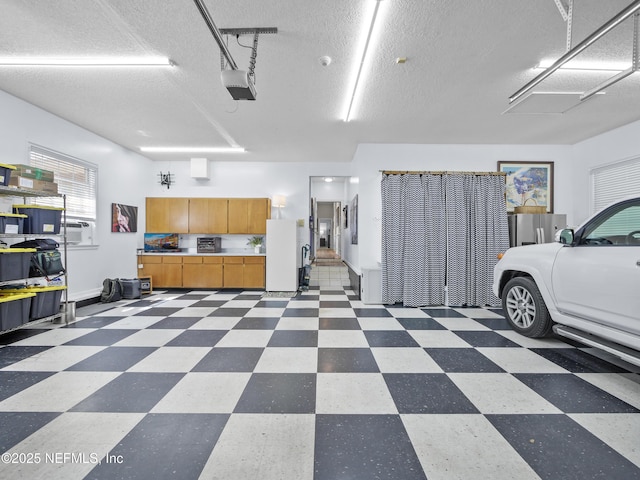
26 193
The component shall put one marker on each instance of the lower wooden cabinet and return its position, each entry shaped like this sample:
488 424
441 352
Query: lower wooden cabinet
192 271
202 272
254 272
233 272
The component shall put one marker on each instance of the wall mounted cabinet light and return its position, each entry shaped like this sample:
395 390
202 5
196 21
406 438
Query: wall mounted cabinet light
192 149
88 62
368 39
279 202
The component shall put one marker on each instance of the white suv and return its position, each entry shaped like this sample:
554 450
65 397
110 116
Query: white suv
585 287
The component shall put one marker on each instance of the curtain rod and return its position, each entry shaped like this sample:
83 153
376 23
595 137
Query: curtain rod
408 172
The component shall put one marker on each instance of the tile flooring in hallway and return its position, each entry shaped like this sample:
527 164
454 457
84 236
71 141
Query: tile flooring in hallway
239 385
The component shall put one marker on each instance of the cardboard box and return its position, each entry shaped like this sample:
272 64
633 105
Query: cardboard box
28 171
32 184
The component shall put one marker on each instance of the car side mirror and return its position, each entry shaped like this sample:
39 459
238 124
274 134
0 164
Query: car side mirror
566 236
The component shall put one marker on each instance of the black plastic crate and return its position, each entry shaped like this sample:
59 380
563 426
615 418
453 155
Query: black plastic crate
14 310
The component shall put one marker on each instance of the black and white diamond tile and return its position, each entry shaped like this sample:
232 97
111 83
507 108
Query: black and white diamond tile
237 385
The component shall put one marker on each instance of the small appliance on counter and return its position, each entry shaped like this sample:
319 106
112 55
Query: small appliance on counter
209 245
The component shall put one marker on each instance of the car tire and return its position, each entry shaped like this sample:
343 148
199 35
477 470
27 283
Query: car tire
525 309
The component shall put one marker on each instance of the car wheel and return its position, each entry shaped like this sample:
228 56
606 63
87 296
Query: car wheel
525 309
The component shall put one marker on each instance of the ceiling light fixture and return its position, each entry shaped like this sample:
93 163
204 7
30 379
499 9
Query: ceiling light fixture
575 51
368 38
85 62
328 179
192 149
586 66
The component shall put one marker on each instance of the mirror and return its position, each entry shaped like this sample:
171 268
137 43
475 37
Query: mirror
566 236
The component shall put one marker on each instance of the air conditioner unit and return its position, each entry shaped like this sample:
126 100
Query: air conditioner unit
79 232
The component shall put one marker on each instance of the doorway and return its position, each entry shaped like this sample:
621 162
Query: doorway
326 219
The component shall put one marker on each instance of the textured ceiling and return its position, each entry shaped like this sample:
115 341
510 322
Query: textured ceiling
464 60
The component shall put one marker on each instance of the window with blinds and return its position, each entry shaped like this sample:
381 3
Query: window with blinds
615 182
76 179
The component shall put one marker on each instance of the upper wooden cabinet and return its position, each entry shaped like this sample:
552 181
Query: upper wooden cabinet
249 215
167 215
208 215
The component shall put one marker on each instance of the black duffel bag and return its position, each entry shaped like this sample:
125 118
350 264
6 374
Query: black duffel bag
38 243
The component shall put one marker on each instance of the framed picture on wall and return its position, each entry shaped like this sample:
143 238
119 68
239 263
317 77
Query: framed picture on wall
124 218
354 221
528 184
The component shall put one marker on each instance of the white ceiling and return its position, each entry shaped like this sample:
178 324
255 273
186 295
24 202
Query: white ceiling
464 60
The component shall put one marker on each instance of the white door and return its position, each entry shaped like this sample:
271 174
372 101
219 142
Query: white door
598 279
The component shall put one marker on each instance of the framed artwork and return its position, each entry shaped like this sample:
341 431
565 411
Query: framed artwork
354 221
124 218
528 183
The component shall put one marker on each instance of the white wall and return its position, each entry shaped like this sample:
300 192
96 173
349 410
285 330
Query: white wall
613 146
127 177
123 178
371 158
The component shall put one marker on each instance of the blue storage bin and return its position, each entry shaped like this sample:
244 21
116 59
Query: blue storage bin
14 310
12 222
14 263
40 219
5 173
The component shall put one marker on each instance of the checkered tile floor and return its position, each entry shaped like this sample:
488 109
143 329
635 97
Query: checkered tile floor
224 385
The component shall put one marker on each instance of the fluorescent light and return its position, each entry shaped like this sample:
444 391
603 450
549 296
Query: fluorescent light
85 62
586 65
367 39
328 179
192 149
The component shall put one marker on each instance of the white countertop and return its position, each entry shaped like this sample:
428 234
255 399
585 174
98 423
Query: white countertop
248 253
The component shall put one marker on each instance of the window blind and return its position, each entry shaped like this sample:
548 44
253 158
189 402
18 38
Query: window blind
615 182
76 179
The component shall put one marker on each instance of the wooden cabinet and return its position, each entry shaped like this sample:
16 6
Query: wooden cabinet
201 271
254 272
172 271
165 270
244 272
249 215
233 272
167 215
150 266
208 215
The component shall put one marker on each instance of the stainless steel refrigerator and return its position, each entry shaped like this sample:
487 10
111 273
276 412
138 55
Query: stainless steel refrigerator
529 228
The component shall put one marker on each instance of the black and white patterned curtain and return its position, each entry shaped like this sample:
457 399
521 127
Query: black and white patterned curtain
440 238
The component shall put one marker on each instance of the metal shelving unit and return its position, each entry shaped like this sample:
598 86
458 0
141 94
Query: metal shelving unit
6 191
